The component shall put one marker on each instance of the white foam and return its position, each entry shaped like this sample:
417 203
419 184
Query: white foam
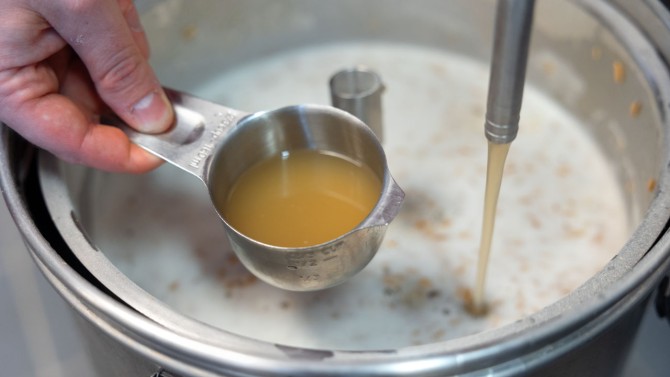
561 214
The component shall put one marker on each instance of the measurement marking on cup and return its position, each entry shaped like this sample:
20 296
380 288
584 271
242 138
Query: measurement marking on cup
207 148
311 277
295 262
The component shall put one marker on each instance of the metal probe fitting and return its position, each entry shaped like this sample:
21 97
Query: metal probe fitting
358 90
514 19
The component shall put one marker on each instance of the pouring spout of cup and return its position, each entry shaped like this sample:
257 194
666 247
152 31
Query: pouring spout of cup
388 206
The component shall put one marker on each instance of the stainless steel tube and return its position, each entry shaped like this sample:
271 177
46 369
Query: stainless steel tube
514 19
358 90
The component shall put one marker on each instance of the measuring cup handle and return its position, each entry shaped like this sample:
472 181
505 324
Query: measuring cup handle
198 128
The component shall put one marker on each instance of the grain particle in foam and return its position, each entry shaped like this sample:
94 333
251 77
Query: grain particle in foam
564 290
438 335
477 110
418 293
422 225
189 32
200 253
534 221
618 72
570 210
426 228
517 242
440 237
556 208
425 283
598 237
572 231
511 169
232 260
391 244
495 320
438 70
529 167
549 68
496 303
527 199
651 185
392 283
465 235
635 108
524 266
629 186
596 53
563 170
520 302
465 294
241 281
460 270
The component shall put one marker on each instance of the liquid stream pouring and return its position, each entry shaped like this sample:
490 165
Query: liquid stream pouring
513 23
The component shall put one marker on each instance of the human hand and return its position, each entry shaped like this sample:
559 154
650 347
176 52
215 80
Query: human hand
63 63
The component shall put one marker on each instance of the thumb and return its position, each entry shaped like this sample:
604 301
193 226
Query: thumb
98 31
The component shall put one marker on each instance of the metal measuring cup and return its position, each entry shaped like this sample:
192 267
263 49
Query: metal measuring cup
217 144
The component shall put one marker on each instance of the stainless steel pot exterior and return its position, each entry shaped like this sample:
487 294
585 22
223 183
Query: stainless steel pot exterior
587 332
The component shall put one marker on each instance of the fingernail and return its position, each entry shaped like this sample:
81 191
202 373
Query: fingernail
153 113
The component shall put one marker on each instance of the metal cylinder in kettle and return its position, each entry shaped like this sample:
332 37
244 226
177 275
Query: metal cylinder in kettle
589 330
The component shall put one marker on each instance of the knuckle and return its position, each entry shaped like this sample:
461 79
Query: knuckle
124 70
80 7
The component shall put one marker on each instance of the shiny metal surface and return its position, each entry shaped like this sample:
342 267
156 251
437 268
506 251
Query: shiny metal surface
38 334
359 90
217 144
511 41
